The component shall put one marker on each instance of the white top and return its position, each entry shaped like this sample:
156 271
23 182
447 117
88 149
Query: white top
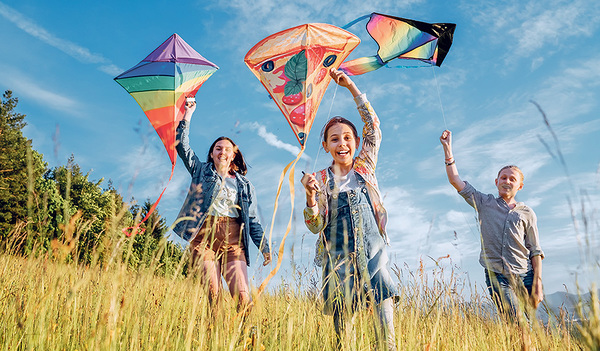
225 204
347 182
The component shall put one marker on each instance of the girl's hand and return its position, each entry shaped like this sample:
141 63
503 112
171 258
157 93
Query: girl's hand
446 138
311 186
340 78
344 81
267 257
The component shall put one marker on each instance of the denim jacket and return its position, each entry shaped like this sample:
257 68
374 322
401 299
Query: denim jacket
364 165
203 190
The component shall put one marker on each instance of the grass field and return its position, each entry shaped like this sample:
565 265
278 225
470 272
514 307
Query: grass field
49 305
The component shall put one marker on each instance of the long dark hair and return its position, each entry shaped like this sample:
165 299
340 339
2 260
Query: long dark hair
237 164
335 120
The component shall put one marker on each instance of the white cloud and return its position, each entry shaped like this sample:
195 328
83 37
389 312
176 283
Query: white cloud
78 52
272 140
147 165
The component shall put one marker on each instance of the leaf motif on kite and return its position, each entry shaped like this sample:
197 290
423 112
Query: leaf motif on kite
403 39
295 70
293 66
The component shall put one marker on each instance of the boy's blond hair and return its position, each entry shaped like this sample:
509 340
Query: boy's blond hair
515 168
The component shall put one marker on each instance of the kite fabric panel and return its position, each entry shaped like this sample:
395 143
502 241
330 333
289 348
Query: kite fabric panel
293 66
403 39
160 83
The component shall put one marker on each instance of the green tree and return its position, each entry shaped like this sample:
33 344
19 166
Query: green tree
147 239
21 167
151 247
63 210
99 208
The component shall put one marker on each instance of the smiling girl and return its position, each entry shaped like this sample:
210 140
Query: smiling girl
344 205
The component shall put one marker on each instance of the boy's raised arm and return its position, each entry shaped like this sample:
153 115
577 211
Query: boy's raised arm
451 170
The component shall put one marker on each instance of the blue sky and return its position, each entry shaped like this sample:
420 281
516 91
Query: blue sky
60 58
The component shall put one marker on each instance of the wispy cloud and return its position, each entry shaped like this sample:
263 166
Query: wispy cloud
274 18
272 140
22 84
78 52
535 28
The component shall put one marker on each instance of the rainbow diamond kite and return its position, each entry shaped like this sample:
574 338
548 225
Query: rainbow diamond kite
161 82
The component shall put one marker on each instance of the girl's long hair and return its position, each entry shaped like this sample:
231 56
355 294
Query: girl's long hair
237 164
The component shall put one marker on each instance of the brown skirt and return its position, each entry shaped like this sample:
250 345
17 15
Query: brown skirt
219 239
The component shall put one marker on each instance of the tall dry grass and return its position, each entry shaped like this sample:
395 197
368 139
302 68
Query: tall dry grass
47 304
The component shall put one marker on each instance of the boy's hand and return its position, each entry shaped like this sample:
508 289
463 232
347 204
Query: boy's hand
537 293
446 138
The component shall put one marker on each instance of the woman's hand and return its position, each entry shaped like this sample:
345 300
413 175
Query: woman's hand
267 257
189 107
340 77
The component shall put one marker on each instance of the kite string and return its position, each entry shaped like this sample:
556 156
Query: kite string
328 117
437 85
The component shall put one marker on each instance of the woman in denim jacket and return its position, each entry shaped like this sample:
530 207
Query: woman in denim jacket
344 205
219 215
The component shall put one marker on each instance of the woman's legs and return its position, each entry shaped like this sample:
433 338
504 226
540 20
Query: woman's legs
210 271
236 276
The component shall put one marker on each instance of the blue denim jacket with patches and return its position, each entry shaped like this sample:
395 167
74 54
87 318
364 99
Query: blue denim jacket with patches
202 192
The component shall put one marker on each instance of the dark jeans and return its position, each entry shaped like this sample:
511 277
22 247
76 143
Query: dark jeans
506 290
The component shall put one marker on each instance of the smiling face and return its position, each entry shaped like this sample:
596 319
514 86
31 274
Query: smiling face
509 182
222 154
341 142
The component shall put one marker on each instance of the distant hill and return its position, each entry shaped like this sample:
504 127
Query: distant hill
561 304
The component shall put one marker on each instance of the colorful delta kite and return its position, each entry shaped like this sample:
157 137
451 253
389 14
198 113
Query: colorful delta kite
160 84
403 39
293 66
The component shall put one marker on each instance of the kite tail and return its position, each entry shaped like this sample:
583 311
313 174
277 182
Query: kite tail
292 164
135 230
361 65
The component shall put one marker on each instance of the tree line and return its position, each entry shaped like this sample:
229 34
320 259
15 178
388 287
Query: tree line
62 213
